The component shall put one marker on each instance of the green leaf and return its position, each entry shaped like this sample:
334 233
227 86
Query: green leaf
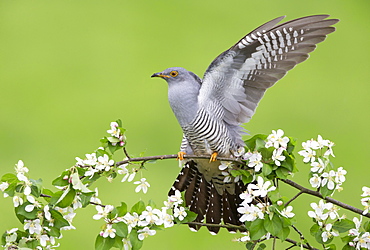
36 187
48 192
151 203
10 178
266 169
85 198
190 216
63 198
118 242
55 232
102 243
257 230
121 229
324 191
284 233
119 122
11 189
78 185
366 226
274 226
260 143
330 247
343 225
261 246
282 173
62 180
135 242
59 221
28 215
121 210
250 245
314 229
348 247
288 163
138 207
251 143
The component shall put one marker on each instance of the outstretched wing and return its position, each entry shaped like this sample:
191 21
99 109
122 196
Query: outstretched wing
237 79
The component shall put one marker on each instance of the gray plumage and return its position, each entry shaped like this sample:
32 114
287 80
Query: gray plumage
210 111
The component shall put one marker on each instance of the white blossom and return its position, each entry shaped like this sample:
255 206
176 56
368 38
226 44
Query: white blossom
142 185
277 156
103 212
20 168
145 232
126 244
34 204
287 212
276 139
328 179
131 220
104 163
175 199
315 181
150 216
33 226
4 186
167 219
47 213
308 154
246 196
318 166
328 233
114 130
250 212
366 203
366 191
255 161
261 189
319 213
109 231
340 175
180 213
17 201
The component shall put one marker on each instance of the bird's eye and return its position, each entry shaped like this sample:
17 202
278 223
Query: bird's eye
174 73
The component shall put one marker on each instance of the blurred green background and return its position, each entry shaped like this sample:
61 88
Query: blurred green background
69 68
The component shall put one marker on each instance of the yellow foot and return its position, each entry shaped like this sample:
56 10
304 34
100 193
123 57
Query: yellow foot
180 156
213 157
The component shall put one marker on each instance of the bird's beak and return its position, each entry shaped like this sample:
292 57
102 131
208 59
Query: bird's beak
160 75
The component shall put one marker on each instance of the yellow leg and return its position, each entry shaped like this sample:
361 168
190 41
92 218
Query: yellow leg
180 155
213 157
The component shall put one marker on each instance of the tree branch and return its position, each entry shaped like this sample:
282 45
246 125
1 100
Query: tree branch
317 194
174 156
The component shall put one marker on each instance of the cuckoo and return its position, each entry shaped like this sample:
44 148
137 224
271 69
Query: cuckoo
211 110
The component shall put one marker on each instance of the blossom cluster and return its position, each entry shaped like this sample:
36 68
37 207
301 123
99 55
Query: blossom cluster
249 211
280 142
143 221
321 213
317 153
40 226
117 136
361 239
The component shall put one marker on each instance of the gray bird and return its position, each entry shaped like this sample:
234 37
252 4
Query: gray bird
211 111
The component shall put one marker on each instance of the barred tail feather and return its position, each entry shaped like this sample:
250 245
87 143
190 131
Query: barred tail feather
203 199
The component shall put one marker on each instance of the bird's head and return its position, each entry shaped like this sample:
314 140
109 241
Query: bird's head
177 75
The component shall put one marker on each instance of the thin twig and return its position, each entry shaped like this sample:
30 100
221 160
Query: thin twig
301 235
317 194
174 156
292 199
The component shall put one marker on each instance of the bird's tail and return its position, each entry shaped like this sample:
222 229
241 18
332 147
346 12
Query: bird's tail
203 199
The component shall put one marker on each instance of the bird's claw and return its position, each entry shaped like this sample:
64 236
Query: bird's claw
213 157
180 156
